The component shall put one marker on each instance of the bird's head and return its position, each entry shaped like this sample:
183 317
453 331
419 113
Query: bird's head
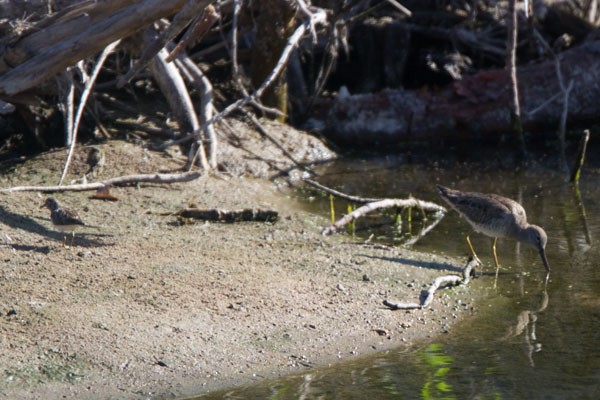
51 203
537 237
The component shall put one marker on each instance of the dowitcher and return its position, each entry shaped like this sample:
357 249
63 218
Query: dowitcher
63 219
497 217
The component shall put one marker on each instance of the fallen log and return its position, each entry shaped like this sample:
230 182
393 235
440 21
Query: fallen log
476 107
217 214
83 32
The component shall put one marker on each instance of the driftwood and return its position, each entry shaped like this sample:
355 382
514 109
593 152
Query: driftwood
216 214
440 281
372 204
79 32
385 203
474 107
118 181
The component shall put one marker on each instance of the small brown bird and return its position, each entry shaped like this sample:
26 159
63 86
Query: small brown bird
497 217
64 219
95 160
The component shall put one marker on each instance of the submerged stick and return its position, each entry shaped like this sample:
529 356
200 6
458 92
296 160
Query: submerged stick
576 171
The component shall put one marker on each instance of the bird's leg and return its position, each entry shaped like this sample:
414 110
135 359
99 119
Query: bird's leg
72 238
496 261
473 251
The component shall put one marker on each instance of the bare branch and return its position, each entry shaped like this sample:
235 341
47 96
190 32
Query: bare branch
83 101
319 17
118 181
400 7
341 195
440 281
386 203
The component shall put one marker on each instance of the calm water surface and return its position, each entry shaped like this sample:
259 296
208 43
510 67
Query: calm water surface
526 341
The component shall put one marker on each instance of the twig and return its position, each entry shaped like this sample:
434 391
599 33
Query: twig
400 7
83 101
511 65
576 171
341 195
422 233
440 281
386 203
276 142
582 214
565 92
562 127
319 17
118 181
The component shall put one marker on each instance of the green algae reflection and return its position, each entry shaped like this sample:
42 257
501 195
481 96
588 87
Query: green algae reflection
436 365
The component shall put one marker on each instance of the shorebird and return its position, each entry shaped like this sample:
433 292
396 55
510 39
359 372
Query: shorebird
497 217
63 219
95 160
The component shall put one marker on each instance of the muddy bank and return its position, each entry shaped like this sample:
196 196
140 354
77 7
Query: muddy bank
146 306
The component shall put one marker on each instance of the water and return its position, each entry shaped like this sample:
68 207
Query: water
528 340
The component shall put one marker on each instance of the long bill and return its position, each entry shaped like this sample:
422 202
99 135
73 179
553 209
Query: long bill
545 260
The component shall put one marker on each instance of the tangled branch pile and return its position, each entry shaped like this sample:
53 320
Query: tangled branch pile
96 62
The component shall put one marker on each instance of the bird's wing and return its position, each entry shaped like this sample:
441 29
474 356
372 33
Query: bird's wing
69 217
512 206
482 210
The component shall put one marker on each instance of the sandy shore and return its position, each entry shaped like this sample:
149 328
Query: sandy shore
147 306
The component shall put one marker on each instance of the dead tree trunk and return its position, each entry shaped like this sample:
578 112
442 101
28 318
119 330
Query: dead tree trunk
275 23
